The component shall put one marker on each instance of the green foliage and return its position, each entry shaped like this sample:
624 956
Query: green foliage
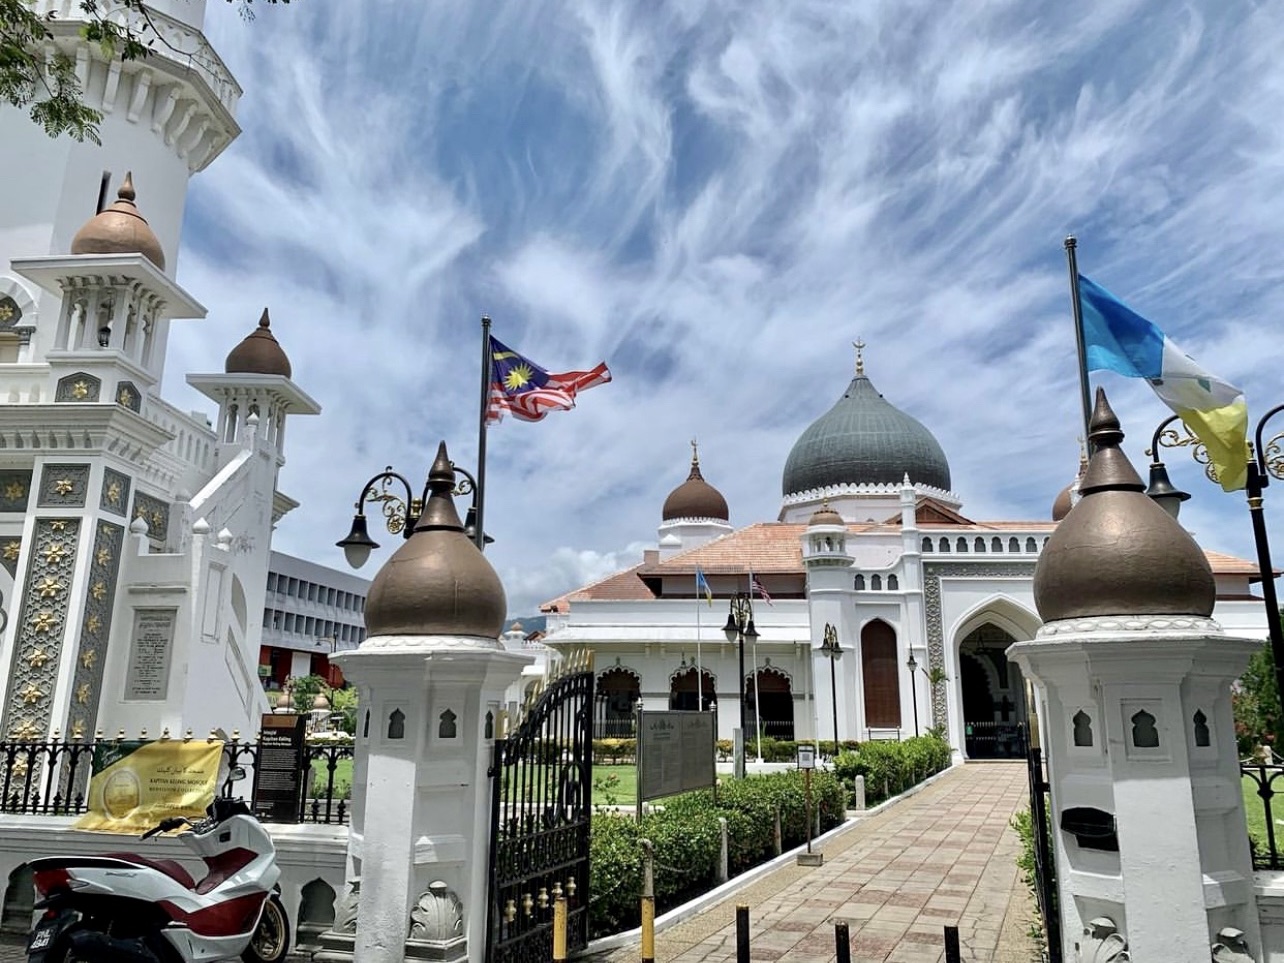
304 689
1256 704
47 87
344 702
687 840
890 768
612 752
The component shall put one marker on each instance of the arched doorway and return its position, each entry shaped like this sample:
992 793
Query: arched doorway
993 694
618 692
880 676
685 690
774 694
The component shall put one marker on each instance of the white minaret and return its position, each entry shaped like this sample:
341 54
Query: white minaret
829 598
165 116
1147 814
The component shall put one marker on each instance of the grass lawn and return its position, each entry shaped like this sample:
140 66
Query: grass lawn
342 777
615 785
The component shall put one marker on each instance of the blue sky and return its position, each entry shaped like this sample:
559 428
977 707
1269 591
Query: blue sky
717 199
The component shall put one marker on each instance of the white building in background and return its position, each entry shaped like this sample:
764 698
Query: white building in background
134 536
870 539
310 612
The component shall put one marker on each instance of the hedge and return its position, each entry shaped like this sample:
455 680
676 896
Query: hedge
687 840
890 768
782 750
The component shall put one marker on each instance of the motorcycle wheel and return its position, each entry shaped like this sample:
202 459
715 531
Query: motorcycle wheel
271 940
61 952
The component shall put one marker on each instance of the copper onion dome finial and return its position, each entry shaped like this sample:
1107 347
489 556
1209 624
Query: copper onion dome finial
119 229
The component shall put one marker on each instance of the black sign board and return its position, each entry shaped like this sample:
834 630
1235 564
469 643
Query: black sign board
279 776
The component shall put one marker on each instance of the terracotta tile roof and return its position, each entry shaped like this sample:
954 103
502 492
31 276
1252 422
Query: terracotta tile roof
623 586
1229 564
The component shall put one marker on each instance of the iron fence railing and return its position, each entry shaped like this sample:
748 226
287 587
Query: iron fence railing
51 777
1263 780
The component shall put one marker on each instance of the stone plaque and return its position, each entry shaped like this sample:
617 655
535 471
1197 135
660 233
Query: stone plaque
675 753
150 650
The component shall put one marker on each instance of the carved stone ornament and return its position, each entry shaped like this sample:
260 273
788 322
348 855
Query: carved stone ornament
1114 625
437 926
1102 943
1231 947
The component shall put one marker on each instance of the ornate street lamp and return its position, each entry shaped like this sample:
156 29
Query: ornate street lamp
738 628
1266 461
401 514
912 664
1162 491
833 651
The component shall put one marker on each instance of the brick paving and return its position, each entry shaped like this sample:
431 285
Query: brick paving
946 856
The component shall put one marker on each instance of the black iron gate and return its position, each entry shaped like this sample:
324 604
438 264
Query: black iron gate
541 794
1044 868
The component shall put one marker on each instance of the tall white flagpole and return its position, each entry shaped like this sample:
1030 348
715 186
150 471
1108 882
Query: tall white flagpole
699 665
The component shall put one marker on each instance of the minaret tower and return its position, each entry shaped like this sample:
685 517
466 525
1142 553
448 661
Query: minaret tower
165 116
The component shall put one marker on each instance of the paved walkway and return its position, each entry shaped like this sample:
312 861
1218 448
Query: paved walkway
946 856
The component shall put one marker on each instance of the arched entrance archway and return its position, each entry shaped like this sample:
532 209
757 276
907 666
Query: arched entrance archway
993 694
685 690
880 676
776 698
618 692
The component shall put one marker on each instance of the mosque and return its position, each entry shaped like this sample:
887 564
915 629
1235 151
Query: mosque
872 548
135 537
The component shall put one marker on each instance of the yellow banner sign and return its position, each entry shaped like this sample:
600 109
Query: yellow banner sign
137 784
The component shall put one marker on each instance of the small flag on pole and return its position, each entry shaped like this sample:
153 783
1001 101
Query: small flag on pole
756 586
702 585
1119 339
520 386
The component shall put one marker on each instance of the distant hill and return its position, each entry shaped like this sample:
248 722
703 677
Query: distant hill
531 623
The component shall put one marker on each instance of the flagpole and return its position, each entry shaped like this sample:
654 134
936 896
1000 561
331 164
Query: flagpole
480 535
1077 305
699 666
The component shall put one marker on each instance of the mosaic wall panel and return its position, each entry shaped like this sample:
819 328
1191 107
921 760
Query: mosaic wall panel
128 396
41 624
10 553
78 387
64 486
91 654
115 494
15 490
932 575
155 512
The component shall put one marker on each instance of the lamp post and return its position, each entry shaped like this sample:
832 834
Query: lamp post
1265 461
738 628
401 514
912 664
833 651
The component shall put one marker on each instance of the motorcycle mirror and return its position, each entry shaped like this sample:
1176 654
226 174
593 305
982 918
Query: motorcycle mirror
236 774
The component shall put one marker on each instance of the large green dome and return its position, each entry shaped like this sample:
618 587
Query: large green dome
864 440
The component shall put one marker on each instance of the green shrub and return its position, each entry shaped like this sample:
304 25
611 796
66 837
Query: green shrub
890 768
612 752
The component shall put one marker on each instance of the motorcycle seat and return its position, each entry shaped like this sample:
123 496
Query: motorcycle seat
171 868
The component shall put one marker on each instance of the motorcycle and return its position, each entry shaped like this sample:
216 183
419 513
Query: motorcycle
128 908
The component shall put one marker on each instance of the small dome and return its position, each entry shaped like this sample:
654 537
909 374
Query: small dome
438 582
285 700
864 440
259 353
695 497
826 516
321 702
119 229
1117 552
1066 497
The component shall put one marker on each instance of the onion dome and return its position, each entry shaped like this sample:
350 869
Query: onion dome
864 440
259 353
285 701
1066 497
695 497
1117 552
320 702
825 516
438 582
119 229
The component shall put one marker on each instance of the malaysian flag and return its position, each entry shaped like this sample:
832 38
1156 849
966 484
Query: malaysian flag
756 586
520 386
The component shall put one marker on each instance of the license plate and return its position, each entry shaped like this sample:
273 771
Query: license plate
40 939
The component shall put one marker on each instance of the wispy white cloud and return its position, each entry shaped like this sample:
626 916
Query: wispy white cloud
717 198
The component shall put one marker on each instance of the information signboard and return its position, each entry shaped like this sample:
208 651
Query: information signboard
676 753
279 772
806 756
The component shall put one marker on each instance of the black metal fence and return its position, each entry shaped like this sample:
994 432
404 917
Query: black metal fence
48 777
1261 780
1044 866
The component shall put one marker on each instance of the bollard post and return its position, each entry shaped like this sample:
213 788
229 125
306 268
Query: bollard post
780 836
724 869
842 943
648 901
742 934
559 924
858 792
952 953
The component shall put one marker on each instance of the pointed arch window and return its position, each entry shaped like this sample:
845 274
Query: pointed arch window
880 674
